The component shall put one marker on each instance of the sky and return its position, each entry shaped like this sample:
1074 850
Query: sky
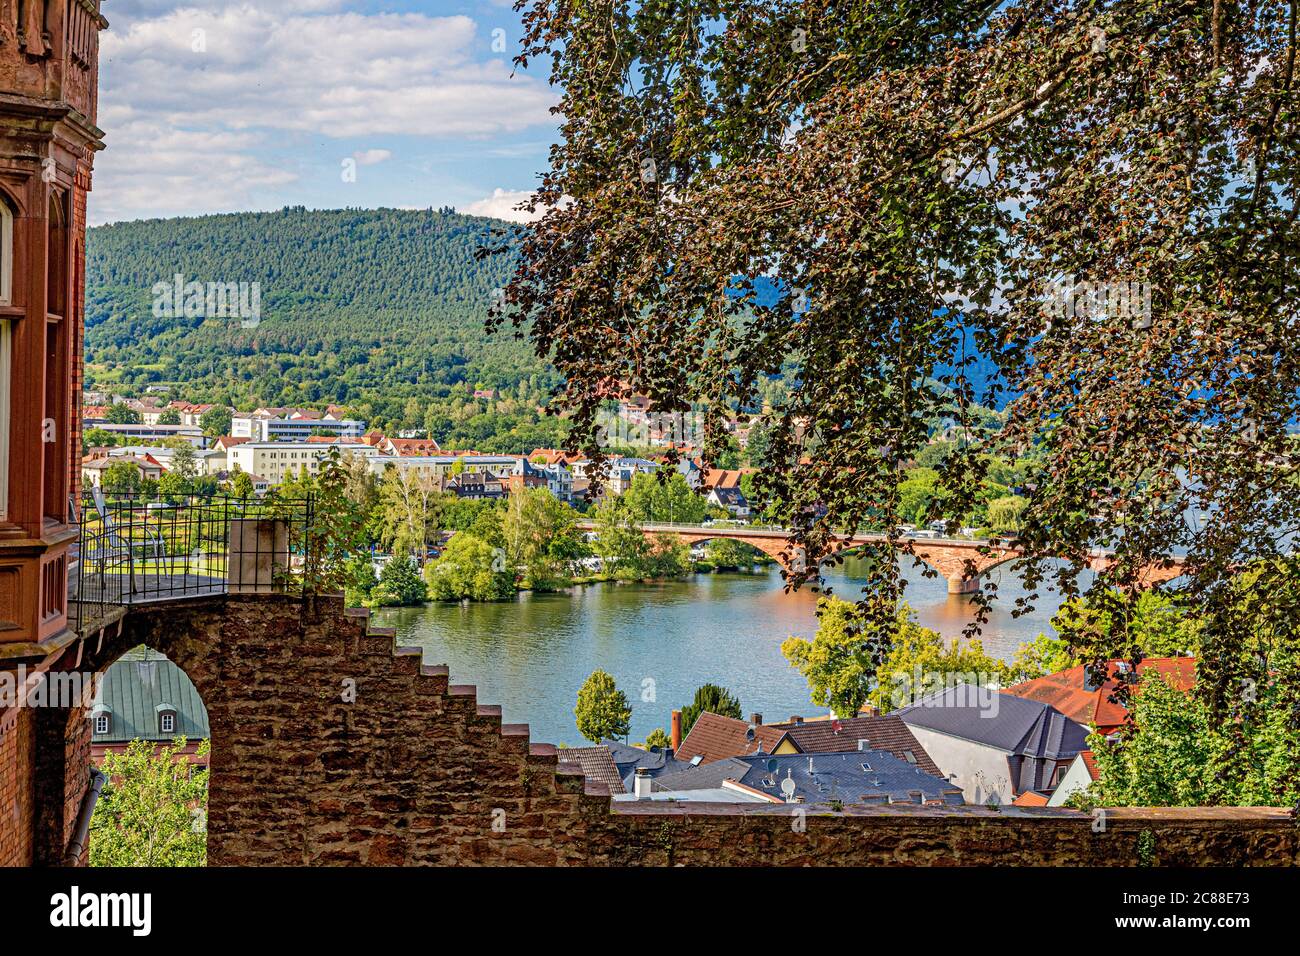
231 105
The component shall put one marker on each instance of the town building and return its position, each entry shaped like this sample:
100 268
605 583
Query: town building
995 746
1091 699
144 696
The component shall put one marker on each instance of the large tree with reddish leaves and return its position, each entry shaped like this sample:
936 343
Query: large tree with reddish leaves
1098 196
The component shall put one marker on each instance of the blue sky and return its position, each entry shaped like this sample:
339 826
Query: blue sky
228 105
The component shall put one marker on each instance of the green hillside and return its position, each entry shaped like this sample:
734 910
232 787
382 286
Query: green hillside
381 310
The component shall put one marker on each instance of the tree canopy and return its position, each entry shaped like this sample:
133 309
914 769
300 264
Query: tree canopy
1096 197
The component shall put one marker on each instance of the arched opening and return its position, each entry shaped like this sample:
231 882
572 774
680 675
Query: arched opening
149 738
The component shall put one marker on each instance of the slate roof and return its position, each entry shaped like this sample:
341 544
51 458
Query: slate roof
1087 702
714 737
869 776
629 759
596 763
135 686
881 733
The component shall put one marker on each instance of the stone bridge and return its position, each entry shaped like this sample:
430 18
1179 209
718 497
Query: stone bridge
961 561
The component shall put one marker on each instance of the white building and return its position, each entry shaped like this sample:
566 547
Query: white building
273 460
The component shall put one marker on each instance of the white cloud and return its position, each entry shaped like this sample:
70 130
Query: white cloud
372 157
501 205
181 87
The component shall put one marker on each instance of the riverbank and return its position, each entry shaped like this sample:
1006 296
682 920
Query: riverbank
661 640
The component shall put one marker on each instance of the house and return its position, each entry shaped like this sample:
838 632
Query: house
475 485
92 469
713 737
731 499
144 696
1083 698
861 777
995 746
410 447
1077 778
887 733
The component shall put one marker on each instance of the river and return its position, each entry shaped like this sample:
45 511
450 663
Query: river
661 641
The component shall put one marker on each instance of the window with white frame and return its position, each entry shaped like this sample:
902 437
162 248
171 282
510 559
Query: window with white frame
167 722
101 723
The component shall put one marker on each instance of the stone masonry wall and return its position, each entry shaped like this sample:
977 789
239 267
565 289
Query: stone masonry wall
331 746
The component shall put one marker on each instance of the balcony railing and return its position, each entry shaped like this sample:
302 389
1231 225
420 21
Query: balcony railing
135 550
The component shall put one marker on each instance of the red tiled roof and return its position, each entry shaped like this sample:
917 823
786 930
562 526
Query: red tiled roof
1068 690
889 734
726 478
414 447
714 737
1090 761
597 764
1031 798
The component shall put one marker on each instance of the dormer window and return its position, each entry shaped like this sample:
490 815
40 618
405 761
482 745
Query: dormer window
103 720
166 718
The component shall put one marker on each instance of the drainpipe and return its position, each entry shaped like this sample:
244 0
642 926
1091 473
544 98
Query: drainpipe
82 833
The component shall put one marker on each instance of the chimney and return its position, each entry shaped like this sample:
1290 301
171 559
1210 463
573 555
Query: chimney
677 731
795 719
641 783
756 719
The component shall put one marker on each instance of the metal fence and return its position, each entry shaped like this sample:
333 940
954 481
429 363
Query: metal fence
134 550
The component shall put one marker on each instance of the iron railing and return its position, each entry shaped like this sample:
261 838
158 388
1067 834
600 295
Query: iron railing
133 549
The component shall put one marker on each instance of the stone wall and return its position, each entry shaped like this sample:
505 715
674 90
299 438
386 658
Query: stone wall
331 746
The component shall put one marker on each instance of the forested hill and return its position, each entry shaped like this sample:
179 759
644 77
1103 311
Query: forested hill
360 307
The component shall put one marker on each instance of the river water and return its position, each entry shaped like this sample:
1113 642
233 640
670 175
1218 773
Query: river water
661 641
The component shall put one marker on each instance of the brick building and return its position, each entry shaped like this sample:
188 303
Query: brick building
48 139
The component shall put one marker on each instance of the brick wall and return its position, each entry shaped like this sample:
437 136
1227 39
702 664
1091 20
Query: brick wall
15 786
330 746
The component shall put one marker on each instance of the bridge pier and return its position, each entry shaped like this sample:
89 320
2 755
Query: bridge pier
962 584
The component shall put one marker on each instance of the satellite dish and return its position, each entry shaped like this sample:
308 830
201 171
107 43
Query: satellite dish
788 787
771 766
749 733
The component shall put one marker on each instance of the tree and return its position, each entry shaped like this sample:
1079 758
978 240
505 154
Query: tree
184 461
215 422
120 413
169 416
657 738
1005 513
730 553
470 567
362 580
1042 656
406 511
98 438
400 583
602 712
242 485
839 662
619 541
539 537
658 498
120 478
711 698
1107 190
152 809
921 662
